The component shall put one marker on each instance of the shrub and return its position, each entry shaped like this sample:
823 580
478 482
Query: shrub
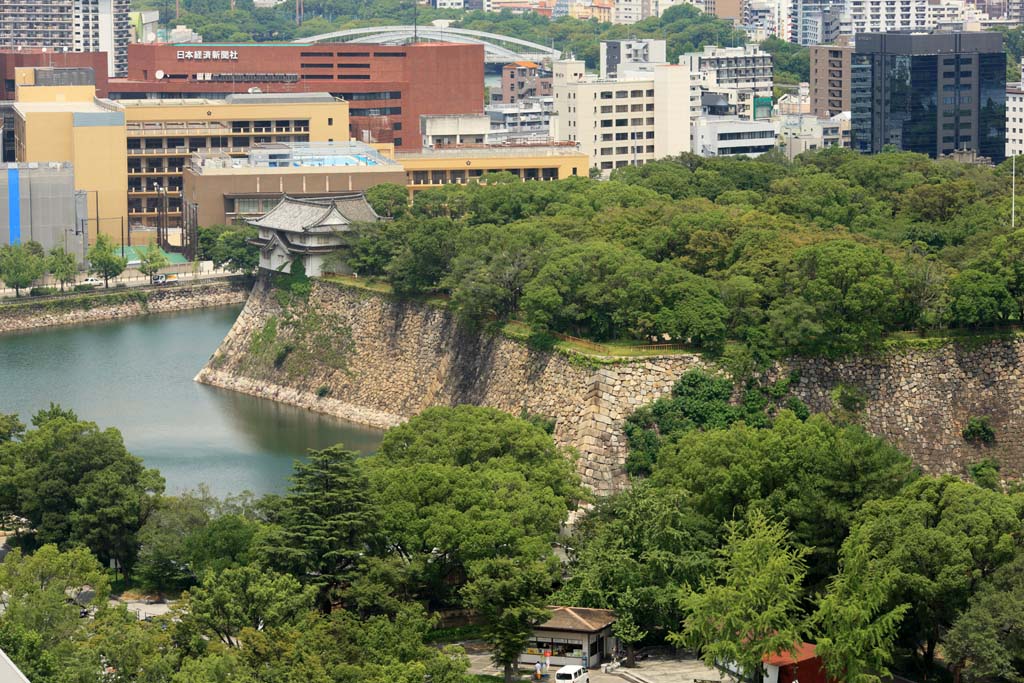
282 355
979 431
42 291
323 390
985 473
84 288
849 398
541 341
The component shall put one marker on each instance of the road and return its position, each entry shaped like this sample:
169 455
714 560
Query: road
133 278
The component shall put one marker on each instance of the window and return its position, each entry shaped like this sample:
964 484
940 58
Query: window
349 65
330 120
397 126
398 142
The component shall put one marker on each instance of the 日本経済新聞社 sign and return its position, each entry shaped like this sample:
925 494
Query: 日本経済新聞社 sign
203 55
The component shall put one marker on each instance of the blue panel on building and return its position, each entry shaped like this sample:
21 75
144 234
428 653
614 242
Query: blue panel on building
14 204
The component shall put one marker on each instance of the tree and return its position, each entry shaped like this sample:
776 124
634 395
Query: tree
246 597
856 627
77 484
751 608
457 485
62 266
389 199
814 474
327 523
104 260
20 266
626 627
978 299
234 251
163 562
152 260
508 593
43 592
937 540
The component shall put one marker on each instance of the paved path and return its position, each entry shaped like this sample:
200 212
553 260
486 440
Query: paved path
132 278
655 670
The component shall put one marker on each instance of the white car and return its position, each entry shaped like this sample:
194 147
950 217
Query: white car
92 281
572 674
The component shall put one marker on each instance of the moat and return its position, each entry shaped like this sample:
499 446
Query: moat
136 374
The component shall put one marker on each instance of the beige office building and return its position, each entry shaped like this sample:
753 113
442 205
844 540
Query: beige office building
624 122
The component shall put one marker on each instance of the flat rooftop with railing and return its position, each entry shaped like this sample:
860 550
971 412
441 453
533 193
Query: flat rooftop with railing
283 155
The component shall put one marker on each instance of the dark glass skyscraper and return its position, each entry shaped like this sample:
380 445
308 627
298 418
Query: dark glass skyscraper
929 93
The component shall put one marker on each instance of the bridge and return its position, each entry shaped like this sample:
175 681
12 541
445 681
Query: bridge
498 49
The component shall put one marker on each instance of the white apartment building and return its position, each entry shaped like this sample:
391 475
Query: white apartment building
620 56
799 133
529 118
69 25
626 121
723 136
742 74
1014 119
880 16
455 129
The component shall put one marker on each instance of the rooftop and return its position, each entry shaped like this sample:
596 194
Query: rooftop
530 149
802 653
580 619
243 98
293 155
328 214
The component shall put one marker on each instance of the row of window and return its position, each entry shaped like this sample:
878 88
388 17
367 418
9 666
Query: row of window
623 94
608 123
622 108
637 149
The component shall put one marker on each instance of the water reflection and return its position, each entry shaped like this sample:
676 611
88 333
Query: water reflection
136 374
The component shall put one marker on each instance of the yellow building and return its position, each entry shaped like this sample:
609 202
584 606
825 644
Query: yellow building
129 156
69 124
542 161
161 136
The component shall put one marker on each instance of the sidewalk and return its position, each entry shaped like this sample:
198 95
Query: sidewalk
132 278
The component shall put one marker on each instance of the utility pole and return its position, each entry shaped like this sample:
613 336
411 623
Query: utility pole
1013 193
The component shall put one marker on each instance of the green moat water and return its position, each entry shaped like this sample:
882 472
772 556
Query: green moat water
136 374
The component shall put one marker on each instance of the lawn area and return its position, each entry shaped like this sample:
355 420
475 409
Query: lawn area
370 283
520 331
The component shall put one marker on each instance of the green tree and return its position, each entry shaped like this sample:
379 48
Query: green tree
937 539
456 485
751 608
978 299
234 251
389 199
152 260
856 627
246 597
42 593
77 484
62 266
104 260
626 627
327 523
163 562
20 266
508 593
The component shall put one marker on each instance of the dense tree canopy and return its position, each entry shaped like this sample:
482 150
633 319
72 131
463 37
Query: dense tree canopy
825 255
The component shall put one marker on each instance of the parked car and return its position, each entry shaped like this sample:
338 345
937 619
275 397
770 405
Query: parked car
572 674
158 279
95 281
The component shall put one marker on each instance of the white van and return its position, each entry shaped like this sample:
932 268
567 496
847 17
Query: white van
572 674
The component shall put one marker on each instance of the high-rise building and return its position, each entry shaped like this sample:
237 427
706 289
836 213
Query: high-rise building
814 22
625 121
69 26
743 74
1014 119
830 79
929 93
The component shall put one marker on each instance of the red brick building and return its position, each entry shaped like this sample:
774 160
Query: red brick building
388 87
9 61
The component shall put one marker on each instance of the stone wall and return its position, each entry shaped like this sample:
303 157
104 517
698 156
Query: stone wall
121 303
407 356
921 400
